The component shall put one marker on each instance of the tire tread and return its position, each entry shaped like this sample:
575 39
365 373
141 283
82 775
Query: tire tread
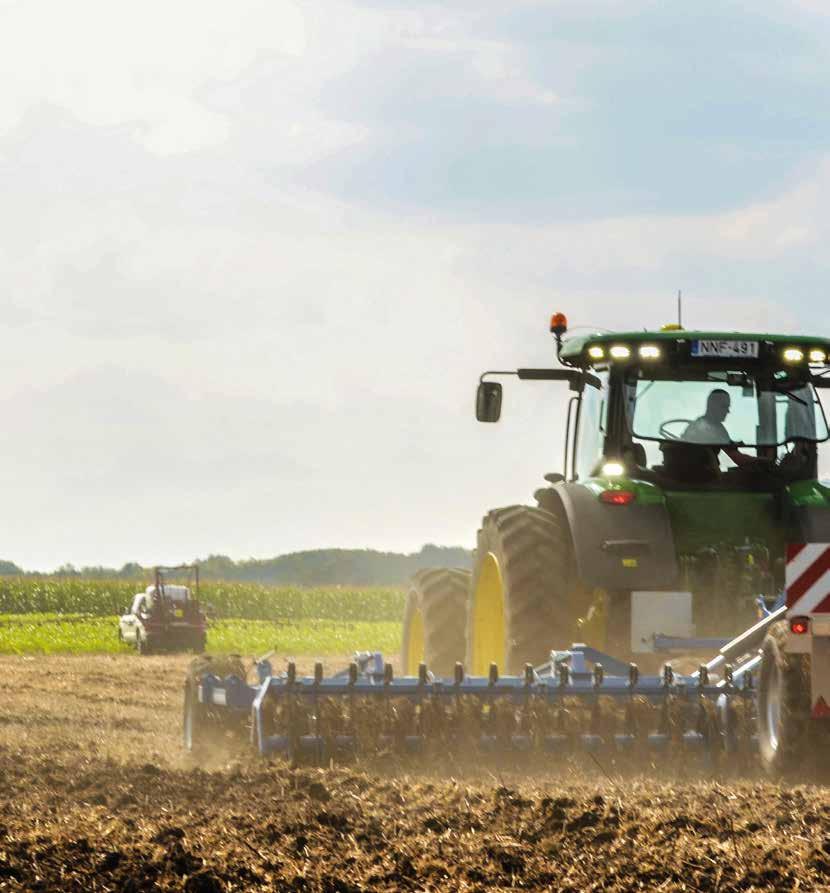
440 595
532 546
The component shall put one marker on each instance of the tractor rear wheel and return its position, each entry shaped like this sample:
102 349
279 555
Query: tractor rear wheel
784 724
519 607
435 619
142 646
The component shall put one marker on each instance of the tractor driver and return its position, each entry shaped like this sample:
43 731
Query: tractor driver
709 428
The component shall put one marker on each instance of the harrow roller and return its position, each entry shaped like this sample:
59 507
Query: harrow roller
580 700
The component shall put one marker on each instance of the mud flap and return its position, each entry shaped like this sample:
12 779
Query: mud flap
820 677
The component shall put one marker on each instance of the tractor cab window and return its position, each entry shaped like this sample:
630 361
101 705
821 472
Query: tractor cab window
722 409
590 435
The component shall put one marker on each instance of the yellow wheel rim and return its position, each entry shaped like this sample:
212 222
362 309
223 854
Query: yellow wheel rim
415 644
488 618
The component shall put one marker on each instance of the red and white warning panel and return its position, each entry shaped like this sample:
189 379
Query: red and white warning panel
808 611
808 579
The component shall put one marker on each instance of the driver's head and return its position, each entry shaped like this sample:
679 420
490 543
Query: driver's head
717 406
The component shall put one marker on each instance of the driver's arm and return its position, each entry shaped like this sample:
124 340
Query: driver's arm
740 458
737 456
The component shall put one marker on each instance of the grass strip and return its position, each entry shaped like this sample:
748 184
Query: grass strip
45 633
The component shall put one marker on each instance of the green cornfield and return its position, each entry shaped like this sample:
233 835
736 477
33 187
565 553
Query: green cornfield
248 601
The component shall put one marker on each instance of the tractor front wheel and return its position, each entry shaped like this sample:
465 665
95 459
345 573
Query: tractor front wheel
519 607
784 724
435 620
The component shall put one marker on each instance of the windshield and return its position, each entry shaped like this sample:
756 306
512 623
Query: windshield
718 408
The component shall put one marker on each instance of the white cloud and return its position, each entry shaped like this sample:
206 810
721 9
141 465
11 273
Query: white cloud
147 65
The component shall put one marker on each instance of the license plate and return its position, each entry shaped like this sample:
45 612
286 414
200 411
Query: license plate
712 348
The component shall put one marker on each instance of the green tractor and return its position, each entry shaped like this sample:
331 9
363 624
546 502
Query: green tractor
690 462
688 517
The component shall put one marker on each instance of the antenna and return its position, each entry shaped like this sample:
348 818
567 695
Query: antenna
680 308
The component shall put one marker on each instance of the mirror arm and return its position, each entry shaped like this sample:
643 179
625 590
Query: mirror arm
575 377
484 375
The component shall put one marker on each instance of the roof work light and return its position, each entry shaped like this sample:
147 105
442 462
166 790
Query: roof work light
612 469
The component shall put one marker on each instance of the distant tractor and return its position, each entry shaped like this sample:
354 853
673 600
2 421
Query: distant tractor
166 616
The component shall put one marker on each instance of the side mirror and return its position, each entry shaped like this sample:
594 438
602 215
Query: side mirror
488 401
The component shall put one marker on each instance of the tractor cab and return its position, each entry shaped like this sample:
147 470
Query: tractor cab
699 410
687 410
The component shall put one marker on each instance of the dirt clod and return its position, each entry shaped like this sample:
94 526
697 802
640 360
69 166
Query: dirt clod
204 882
165 835
318 791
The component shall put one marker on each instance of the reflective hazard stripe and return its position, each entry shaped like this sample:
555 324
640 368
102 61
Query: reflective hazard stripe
808 578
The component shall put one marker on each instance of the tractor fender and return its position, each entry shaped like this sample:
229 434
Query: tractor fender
810 524
628 547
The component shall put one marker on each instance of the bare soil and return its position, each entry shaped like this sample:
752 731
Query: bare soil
96 794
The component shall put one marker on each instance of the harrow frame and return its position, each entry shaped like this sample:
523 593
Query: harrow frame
582 674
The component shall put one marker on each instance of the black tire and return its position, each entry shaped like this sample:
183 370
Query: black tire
142 646
439 598
785 729
532 548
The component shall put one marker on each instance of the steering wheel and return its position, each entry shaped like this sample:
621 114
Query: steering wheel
664 432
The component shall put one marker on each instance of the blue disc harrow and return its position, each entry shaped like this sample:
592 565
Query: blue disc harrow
580 700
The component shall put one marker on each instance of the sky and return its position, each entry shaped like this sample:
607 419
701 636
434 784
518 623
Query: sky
254 255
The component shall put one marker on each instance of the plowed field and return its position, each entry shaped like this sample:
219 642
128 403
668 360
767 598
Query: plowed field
96 794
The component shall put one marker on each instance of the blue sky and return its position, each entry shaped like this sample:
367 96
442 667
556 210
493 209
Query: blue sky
596 109
254 255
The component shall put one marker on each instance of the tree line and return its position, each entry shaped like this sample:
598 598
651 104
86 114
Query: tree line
315 567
